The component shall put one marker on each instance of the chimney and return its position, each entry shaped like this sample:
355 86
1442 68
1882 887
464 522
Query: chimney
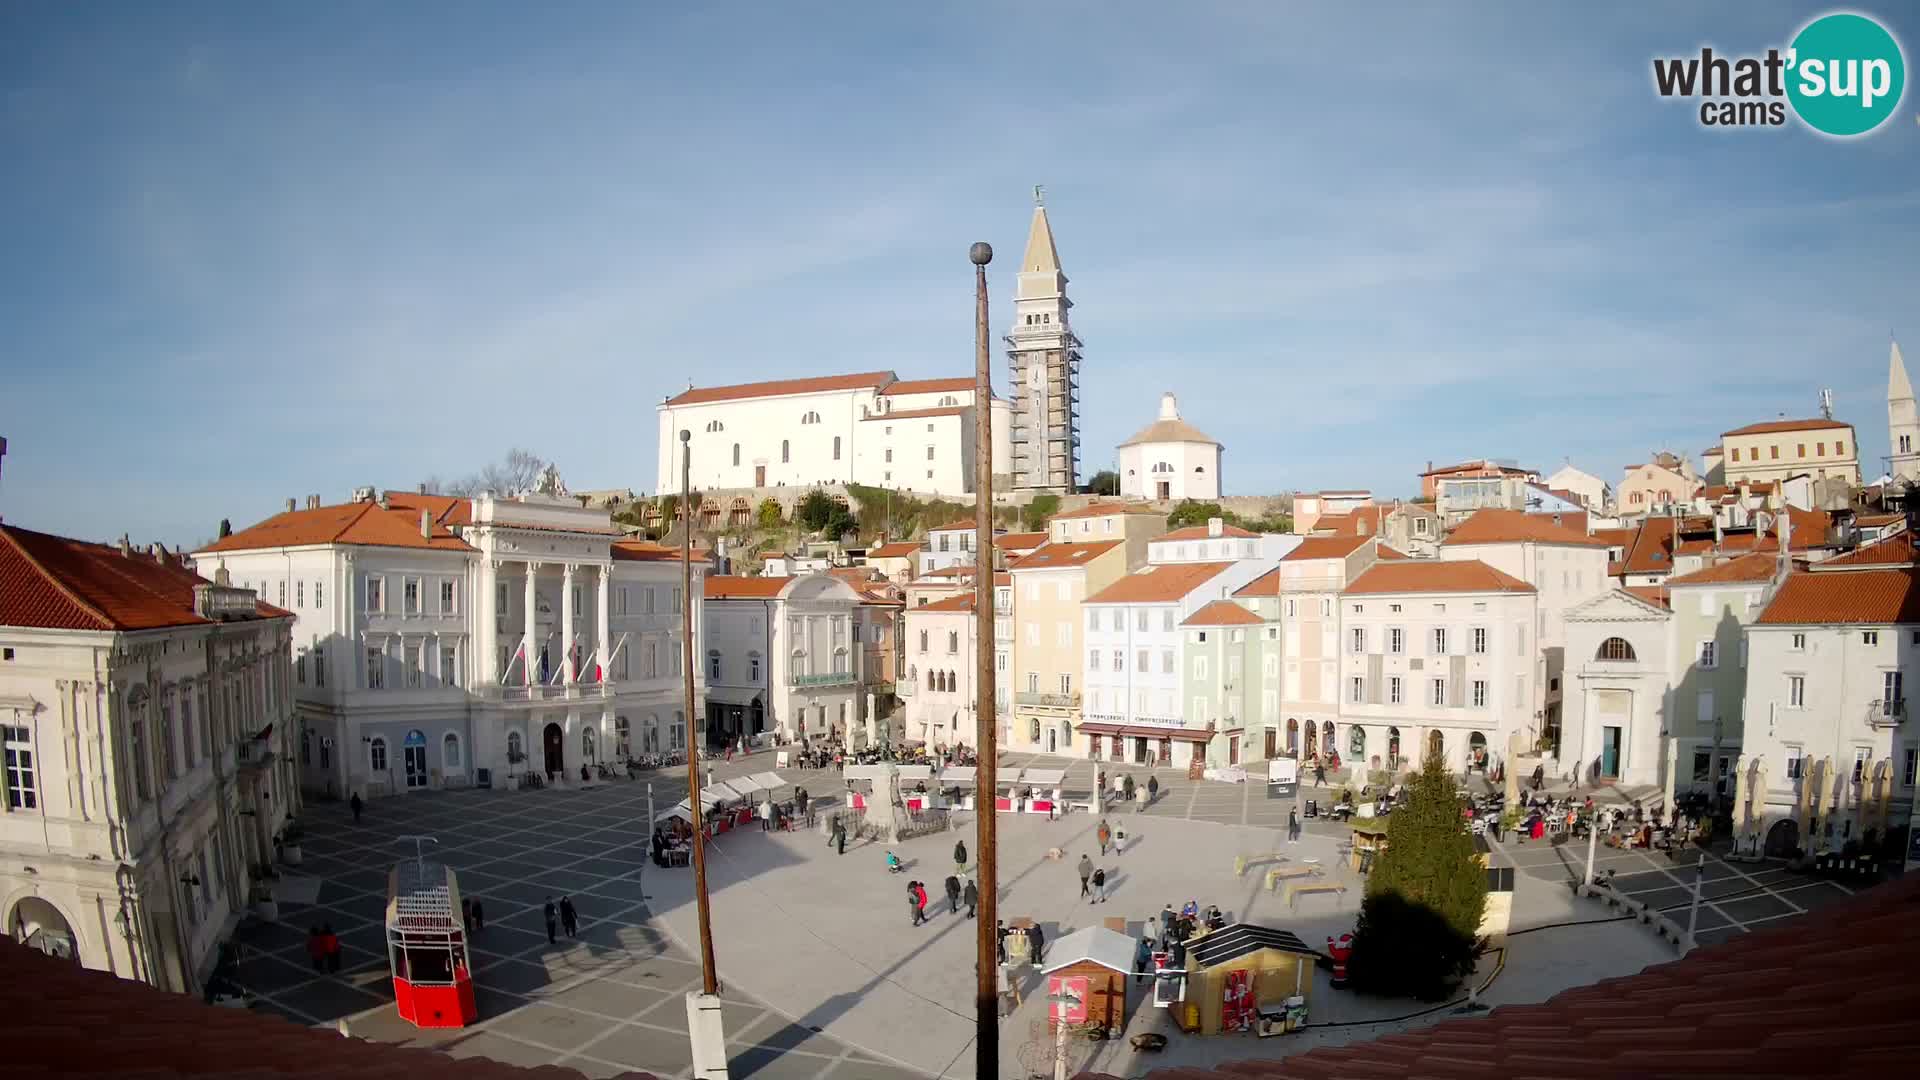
1215 526
423 487
313 502
426 525
221 577
383 501
290 505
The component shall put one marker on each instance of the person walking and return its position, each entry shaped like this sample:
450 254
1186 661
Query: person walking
1119 839
1100 785
953 895
838 838
569 918
479 917
1086 875
802 802
1105 836
1036 944
1000 940
317 948
355 805
1319 773
913 903
1126 787
1153 790
552 916
1100 886
1167 919
331 942
959 856
971 894
1293 826
1142 959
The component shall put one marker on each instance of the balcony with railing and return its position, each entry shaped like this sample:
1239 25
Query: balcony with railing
1886 714
830 678
1047 701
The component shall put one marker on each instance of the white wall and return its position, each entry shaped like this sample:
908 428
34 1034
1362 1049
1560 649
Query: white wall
1138 480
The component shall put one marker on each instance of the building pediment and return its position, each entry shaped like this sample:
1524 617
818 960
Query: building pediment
1617 606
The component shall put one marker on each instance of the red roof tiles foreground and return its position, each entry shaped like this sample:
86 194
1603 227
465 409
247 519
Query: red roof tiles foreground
1435 576
1895 550
732 587
900 550
931 386
1222 613
1159 583
1824 597
1752 569
1325 547
447 509
362 524
90 1023
53 583
1830 995
1056 556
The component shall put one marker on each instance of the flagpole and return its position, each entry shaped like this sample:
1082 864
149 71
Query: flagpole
986 943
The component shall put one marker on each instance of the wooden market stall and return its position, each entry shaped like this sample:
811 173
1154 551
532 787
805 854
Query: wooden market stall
917 787
957 783
1040 790
1247 978
427 946
1006 795
1090 968
1369 840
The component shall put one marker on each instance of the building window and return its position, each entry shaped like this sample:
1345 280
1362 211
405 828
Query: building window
169 763
1820 449
1439 691
23 794
449 598
1199 667
1869 637
929 453
319 594
1479 693
1890 693
1796 691
283 593
1396 640
1840 447
450 751
1066 684
377 755
1393 689
1615 649
412 656
373 594
713 665
1359 639
450 666
319 669
836 448
1357 690
1799 643
376 669
1439 641
1479 641
300 593
786 451
1709 654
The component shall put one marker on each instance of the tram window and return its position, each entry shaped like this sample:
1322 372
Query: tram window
400 964
430 965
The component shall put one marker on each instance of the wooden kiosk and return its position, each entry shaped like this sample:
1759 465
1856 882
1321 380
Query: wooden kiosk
1247 978
427 947
1369 840
1089 966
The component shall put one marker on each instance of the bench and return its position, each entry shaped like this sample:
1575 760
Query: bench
1288 873
1241 862
1300 888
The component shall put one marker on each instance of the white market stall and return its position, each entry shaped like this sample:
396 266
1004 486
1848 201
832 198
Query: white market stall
957 782
1040 790
916 786
864 783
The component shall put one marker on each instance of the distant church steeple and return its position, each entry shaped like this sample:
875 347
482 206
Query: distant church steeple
1044 356
1903 420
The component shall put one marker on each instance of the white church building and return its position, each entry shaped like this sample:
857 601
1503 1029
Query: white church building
1170 459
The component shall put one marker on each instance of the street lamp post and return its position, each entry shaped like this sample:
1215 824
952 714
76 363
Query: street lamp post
704 1019
986 961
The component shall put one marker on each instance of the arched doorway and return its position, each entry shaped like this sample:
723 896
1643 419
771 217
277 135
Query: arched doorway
37 924
1393 749
1357 744
516 750
1783 839
413 754
1293 736
553 740
1437 744
756 717
1313 731
1477 751
1327 746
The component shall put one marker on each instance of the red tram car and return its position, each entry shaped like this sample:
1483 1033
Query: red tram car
427 946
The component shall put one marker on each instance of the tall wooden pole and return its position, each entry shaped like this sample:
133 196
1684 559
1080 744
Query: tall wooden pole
694 729
986 724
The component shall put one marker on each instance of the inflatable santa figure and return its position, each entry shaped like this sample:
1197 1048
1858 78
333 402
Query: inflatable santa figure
1340 949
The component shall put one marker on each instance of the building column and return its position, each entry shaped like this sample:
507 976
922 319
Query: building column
485 622
527 647
568 675
602 641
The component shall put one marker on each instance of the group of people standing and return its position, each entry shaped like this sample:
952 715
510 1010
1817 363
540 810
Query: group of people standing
1140 796
960 888
561 915
323 948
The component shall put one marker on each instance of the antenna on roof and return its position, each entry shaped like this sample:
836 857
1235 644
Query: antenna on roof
1826 404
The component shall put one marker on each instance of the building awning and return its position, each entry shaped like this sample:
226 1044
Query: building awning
1102 729
1135 731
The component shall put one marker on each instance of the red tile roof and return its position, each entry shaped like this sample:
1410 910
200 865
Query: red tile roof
1199 532
952 526
1619 538
645 551
53 583
1386 552
929 386
1715 1013
1771 426
1160 583
1025 541
362 524
1222 613
866 380
911 414
1652 594
1895 550
1467 466
900 550
1815 597
1515 527
1755 568
1267 584
447 509
1104 509
734 587
90 1023
1325 547
1652 549
1055 556
1435 576
960 602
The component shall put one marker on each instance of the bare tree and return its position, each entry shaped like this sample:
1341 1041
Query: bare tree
517 472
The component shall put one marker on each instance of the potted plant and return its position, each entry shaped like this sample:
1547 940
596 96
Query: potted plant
290 837
264 907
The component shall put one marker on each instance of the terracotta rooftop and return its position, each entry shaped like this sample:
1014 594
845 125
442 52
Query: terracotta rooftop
1435 576
1024 541
1199 532
1652 594
1103 509
1895 550
960 602
899 550
53 583
1056 556
1325 547
1751 569
1815 597
1222 613
362 524
1714 1013
1267 584
1515 527
1771 426
646 551
734 587
1386 552
1160 583
1507 470
1651 551
447 509
90 1023
866 380
953 526
930 386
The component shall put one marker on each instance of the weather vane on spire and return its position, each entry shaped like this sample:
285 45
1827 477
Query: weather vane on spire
1039 195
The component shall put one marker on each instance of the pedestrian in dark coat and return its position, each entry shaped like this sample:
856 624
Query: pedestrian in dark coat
1293 826
1086 874
953 895
1153 789
332 945
1100 886
1167 918
479 917
1036 943
1126 786
914 903
1000 940
355 805
971 894
838 839
569 918
1142 959
552 915
960 853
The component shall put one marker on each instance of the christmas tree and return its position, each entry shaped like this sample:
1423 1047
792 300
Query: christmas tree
1419 923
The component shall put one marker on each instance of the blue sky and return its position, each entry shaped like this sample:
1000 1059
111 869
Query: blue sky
257 251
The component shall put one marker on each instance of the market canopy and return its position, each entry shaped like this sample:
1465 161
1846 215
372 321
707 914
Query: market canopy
769 781
746 785
723 790
1043 777
959 774
915 772
872 774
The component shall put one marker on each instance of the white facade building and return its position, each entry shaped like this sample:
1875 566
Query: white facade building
443 642
1903 420
1594 493
1170 459
783 655
146 719
1620 690
939 686
870 428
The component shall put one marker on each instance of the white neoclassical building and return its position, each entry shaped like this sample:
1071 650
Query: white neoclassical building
442 642
783 655
1170 459
145 715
